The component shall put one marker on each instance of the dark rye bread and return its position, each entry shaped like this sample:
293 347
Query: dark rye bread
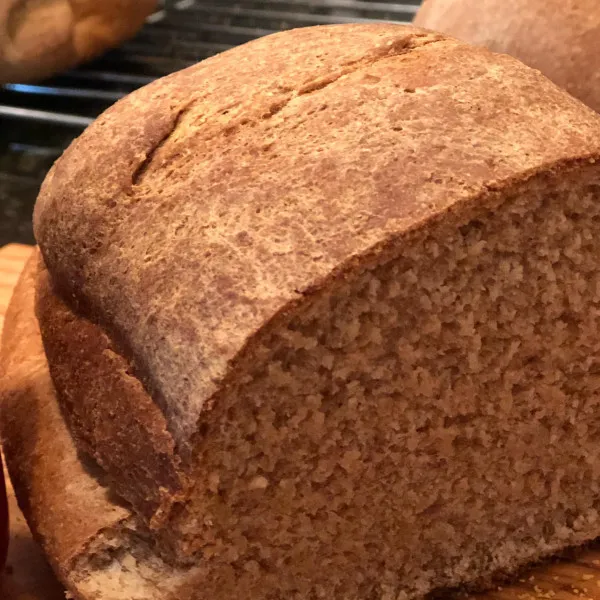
561 38
328 325
41 37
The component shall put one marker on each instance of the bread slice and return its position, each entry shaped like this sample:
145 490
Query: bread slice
558 37
41 37
327 326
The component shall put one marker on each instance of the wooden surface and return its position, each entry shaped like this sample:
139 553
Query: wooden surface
28 576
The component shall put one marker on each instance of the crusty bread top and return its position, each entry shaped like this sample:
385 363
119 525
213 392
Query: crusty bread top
65 506
561 38
199 207
41 37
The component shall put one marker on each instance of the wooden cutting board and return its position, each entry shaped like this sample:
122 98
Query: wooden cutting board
28 576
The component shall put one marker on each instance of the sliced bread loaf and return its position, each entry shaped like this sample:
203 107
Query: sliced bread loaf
328 326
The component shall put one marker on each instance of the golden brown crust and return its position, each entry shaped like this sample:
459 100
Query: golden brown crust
42 37
558 37
64 504
112 417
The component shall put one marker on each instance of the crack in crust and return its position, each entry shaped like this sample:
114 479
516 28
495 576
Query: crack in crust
141 169
398 48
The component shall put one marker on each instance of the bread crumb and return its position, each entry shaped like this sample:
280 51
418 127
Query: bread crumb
213 482
129 562
259 483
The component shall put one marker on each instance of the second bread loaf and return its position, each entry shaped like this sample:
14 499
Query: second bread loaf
561 38
41 37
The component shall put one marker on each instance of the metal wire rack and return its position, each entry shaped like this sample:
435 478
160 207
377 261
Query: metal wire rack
37 122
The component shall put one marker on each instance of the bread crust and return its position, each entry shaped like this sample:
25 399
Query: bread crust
40 38
65 505
109 413
558 37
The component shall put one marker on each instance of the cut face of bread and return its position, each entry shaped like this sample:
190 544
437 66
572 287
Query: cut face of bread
420 422
329 329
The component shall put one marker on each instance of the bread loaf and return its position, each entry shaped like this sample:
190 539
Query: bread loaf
561 38
318 328
3 519
41 37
